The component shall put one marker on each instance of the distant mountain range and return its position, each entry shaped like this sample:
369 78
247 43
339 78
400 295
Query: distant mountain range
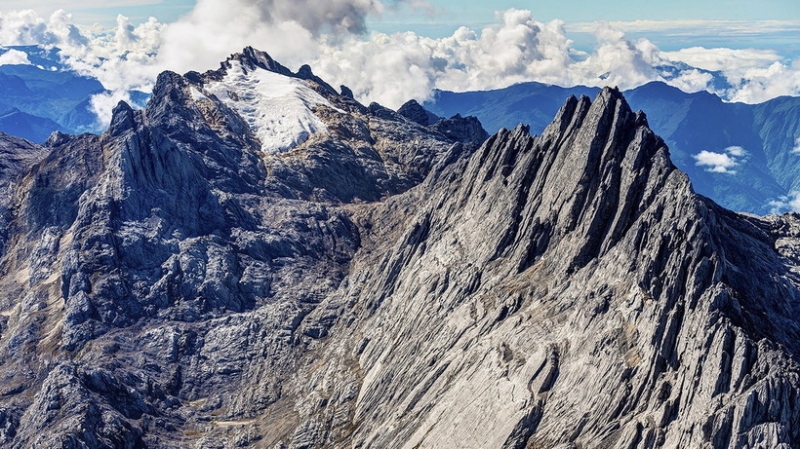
751 164
37 99
42 97
745 157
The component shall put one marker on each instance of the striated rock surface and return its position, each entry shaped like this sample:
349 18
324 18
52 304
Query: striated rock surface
567 290
17 156
174 283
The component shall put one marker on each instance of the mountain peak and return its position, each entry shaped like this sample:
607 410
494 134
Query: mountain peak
413 111
284 109
252 59
122 119
590 175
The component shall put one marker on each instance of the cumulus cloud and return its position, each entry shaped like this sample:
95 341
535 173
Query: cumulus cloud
617 61
25 28
736 151
786 203
715 162
755 75
14 57
392 68
122 60
724 162
215 29
723 58
757 85
692 80
796 149
337 16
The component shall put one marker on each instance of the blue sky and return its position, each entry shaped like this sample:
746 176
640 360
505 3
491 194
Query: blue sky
628 10
87 12
448 13
441 17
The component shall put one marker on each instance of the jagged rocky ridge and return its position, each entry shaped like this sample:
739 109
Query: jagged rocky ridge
385 283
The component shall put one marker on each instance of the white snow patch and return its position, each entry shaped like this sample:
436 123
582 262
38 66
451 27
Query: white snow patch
277 107
197 95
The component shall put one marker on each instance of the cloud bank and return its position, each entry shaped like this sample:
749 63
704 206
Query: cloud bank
333 38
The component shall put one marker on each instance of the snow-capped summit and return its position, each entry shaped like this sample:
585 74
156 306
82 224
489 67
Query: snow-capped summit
276 103
277 107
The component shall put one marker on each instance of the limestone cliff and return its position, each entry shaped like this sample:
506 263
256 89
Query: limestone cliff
195 278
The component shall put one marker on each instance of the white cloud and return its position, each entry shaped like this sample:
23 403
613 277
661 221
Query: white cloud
697 27
759 84
393 68
616 61
217 28
390 68
736 151
716 162
14 57
122 60
292 31
786 203
103 104
755 75
24 28
724 162
723 58
692 81
796 149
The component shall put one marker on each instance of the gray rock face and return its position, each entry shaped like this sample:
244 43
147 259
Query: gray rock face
570 290
386 284
17 156
417 114
462 129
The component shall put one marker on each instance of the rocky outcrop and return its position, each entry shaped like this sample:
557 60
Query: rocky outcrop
567 290
162 231
387 284
462 129
17 156
417 114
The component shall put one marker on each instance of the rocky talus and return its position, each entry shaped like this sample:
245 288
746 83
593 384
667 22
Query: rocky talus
393 280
